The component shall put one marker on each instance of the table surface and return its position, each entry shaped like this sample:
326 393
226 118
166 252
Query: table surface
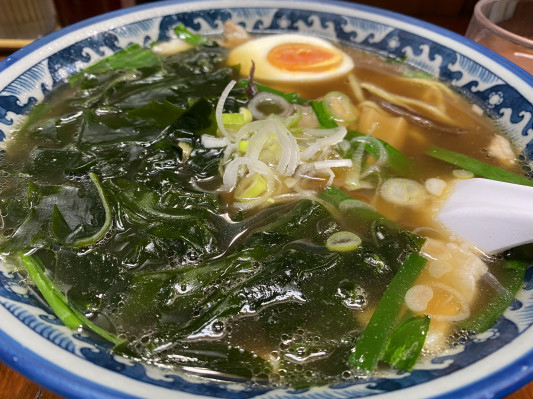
15 386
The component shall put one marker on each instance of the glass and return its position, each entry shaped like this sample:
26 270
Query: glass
506 27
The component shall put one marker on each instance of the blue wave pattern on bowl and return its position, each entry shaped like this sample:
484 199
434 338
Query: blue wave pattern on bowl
485 88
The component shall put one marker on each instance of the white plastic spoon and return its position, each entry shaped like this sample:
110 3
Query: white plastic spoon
492 215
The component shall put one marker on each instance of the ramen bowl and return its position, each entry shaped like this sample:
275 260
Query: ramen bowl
73 364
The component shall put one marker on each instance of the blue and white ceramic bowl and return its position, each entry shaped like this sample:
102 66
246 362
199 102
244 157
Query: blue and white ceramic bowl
32 340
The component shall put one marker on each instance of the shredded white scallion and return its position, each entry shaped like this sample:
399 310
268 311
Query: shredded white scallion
220 108
331 176
333 163
402 191
289 156
321 132
328 141
294 158
231 173
258 139
289 150
381 159
354 176
209 141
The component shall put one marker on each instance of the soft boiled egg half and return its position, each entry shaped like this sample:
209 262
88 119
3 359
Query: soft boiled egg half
291 58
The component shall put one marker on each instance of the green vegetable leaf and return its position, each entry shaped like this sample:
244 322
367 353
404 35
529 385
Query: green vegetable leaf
292 98
246 281
406 343
510 281
376 335
28 233
325 120
351 207
57 301
478 167
129 58
192 38
300 221
396 160
396 60
417 74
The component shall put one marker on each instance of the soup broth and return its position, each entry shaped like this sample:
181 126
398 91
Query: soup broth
117 188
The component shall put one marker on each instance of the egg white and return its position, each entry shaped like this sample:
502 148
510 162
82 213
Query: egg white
257 50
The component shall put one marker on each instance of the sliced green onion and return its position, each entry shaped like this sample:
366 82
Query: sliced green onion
250 187
264 104
418 74
404 192
339 107
376 335
236 121
396 160
325 120
233 119
462 174
82 242
435 186
350 206
343 241
479 168
243 146
291 122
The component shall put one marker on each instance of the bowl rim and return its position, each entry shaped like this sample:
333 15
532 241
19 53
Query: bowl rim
40 368
47 374
398 18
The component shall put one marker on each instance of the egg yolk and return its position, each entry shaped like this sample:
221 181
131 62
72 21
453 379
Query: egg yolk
304 57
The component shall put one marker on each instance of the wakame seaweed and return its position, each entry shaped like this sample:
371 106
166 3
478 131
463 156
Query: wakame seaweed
164 272
112 203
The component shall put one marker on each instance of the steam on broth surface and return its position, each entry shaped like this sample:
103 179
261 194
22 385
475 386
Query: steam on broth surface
194 215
